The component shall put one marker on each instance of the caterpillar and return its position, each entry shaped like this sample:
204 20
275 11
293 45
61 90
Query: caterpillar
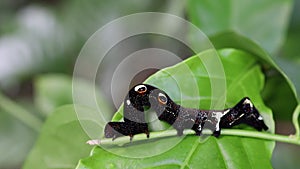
144 95
187 118
134 118
117 129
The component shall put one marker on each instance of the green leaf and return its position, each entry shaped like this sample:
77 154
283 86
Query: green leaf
264 21
276 79
291 69
276 89
52 91
243 78
221 153
61 142
55 90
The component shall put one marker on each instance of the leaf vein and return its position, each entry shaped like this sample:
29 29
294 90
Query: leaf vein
189 156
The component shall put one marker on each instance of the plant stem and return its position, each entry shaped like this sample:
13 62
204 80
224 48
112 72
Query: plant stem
292 139
267 136
20 113
295 121
169 133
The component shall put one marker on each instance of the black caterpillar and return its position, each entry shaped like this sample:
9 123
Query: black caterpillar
146 96
134 118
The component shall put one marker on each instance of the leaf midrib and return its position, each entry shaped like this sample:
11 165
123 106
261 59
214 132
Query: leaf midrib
189 156
243 73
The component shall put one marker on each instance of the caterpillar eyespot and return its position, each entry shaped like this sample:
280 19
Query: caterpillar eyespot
140 89
162 98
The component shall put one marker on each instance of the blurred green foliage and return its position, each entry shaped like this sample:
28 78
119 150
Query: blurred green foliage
61 142
38 37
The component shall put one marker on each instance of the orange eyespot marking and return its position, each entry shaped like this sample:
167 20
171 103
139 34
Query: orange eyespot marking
140 89
162 98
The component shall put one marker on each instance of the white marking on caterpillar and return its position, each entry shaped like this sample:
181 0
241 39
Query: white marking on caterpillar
199 127
128 102
247 101
226 111
237 119
260 118
218 115
138 87
160 94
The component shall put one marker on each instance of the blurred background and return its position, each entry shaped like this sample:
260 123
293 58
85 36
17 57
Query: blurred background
41 39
